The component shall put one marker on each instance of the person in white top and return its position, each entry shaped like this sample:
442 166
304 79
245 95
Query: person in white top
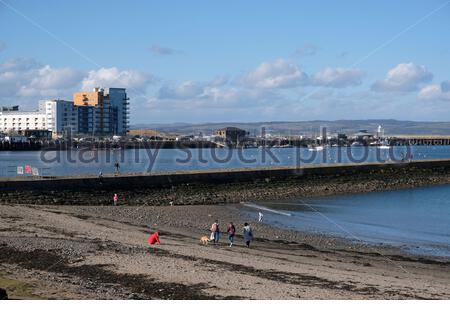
260 216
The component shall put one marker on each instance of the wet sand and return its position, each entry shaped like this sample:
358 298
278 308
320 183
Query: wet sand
101 252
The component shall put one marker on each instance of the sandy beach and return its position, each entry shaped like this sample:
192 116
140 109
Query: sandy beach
101 252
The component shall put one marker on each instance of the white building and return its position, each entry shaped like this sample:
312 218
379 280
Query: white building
11 119
61 115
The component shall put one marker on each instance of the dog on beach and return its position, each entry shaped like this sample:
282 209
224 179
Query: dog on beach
204 240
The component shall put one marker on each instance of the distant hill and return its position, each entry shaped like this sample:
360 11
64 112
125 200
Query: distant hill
391 127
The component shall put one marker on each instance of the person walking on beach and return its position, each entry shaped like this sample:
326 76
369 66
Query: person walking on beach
116 199
260 217
215 232
231 230
248 234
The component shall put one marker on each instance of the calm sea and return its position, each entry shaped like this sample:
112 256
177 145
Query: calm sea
76 162
415 220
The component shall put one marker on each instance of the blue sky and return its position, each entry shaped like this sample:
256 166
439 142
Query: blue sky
201 61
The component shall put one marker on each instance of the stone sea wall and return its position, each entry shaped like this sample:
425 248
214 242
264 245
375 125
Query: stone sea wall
225 186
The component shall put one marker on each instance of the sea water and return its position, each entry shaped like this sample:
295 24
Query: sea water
415 220
84 162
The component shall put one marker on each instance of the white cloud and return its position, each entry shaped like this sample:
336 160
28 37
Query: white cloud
186 90
48 78
321 94
113 77
283 74
405 77
19 64
219 81
211 95
277 74
28 78
338 77
445 86
257 95
218 93
436 92
231 98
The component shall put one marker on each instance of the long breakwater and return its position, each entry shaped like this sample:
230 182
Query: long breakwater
224 186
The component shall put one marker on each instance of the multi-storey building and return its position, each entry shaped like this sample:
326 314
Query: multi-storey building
14 120
61 116
96 113
102 113
118 101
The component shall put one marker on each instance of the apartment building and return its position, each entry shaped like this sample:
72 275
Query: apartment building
97 113
14 120
102 112
61 115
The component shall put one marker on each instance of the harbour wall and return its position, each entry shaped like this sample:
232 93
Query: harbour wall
224 186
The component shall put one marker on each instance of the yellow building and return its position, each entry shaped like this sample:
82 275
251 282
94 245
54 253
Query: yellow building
94 98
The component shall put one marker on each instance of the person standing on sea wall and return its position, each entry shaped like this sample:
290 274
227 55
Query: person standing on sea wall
248 234
231 230
215 231
117 167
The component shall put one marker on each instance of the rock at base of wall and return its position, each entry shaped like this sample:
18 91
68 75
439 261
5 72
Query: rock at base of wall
3 294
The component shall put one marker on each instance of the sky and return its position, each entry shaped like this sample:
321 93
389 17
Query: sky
214 61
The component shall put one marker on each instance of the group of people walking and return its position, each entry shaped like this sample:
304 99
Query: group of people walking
231 232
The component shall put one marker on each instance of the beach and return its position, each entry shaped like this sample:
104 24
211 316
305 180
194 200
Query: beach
101 252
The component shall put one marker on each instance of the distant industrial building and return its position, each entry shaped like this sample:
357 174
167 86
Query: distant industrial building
232 135
363 135
96 113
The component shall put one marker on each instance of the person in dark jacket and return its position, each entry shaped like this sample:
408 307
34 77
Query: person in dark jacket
248 234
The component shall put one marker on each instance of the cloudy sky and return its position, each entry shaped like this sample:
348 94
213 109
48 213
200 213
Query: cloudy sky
201 61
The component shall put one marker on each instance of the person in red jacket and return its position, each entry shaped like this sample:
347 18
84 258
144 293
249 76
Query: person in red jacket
154 238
